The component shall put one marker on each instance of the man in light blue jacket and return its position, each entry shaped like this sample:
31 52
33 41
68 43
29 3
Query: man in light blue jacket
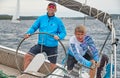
82 50
51 24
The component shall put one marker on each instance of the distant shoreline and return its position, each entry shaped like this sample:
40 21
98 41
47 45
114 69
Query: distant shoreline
9 17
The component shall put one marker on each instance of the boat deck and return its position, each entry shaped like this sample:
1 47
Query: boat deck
14 72
9 71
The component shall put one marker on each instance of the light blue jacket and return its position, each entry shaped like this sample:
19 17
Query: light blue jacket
78 50
51 25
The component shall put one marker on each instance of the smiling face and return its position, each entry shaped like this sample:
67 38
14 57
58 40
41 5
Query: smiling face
51 9
80 33
80 36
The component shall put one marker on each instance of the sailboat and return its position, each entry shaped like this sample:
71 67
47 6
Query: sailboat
97 14
16 16
10 66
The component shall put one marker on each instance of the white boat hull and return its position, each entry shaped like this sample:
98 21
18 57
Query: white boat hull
8 65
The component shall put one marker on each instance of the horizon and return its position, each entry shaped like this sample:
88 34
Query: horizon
38 15
9 17
8 7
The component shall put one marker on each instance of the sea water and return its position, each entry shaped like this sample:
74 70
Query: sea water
11 34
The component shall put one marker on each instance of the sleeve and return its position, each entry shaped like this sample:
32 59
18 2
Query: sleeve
78 56
61 30
93 49
34 27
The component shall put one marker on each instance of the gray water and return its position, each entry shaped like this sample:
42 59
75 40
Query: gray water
11 34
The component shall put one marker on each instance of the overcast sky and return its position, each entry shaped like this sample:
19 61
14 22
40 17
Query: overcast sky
38 7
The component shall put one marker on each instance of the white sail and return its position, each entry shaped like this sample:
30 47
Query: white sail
16 17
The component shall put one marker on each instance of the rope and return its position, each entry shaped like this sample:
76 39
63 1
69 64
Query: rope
100 54
25 39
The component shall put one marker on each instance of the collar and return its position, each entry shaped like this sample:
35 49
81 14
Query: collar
50 16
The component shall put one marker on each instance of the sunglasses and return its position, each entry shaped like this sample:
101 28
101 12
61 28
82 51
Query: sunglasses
52 6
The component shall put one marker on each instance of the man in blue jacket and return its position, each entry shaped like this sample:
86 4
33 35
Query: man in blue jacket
48 23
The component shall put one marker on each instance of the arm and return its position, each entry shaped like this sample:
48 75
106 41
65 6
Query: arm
78 56
93 49
61 30
34 27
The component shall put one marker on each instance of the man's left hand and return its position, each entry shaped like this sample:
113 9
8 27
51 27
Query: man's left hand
56 37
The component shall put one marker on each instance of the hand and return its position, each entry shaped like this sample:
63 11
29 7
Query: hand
26 36
93 66
93 61
56 37
97 64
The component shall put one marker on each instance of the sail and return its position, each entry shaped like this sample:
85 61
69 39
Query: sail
16 17
93 12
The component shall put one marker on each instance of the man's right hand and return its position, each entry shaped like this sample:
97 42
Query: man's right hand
93 64
26 36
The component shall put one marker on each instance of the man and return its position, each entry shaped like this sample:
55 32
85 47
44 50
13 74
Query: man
82 50
46 23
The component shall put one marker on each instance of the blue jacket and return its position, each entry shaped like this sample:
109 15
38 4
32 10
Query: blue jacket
51 25
108 70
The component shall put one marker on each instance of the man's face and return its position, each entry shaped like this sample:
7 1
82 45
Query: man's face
80 36
51 10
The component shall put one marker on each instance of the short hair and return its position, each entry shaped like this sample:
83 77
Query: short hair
80 28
